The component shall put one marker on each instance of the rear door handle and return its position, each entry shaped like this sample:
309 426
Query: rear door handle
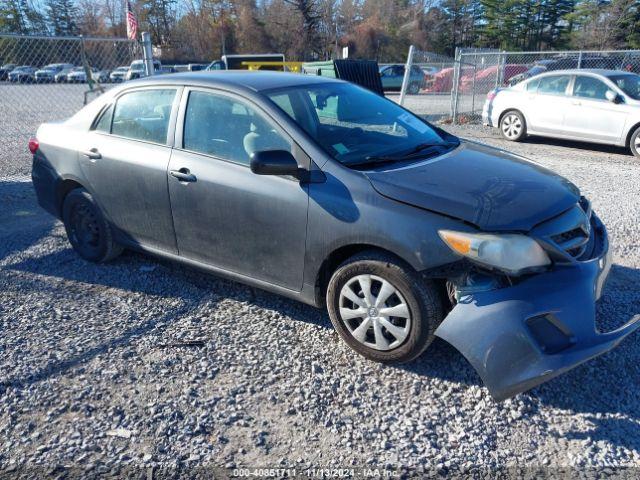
92 154
184 175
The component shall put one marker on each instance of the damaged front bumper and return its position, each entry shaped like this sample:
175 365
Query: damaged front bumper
520 336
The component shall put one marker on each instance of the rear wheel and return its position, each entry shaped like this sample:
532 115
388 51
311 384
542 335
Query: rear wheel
513 126
382 308
88 231
634 143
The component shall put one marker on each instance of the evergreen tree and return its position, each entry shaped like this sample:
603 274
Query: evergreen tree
21 17
62 17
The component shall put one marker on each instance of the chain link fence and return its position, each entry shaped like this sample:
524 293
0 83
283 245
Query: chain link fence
424 83
479 73
455 89
44 79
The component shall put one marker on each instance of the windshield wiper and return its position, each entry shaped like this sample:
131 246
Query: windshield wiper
423 146
415 152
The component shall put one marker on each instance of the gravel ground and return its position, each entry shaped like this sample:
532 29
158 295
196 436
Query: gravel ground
145 362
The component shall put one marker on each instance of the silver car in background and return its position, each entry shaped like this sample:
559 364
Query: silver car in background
47 74
600 106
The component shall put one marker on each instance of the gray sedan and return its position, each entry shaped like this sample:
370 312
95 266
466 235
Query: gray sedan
328 193
600 106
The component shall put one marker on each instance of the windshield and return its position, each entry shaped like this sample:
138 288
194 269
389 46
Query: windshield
629 84
356 126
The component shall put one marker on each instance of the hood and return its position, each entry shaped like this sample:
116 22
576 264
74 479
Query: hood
484 186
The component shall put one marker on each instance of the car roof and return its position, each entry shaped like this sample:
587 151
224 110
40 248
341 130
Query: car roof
595 71
253 80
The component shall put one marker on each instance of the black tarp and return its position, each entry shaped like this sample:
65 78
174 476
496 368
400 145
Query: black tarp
365 73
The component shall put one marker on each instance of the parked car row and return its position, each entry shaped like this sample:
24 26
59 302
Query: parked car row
52 73
69 73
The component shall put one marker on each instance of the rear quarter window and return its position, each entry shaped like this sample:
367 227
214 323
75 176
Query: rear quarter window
103 124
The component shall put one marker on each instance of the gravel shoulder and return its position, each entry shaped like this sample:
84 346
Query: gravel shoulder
145 362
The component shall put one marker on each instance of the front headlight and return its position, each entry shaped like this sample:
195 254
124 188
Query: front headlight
510 253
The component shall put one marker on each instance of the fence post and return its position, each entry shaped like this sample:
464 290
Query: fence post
407 74
502 59
473 85
580 59
147 52
454 85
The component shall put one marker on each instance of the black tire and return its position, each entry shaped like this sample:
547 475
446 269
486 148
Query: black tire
413 88
634 143
513 127
87 229
420 296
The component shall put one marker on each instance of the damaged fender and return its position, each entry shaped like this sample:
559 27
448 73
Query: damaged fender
523 335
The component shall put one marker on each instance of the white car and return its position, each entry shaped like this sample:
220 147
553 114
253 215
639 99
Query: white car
600 106
119 74
78 75
138 69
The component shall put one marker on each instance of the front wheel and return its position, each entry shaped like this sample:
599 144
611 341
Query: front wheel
634 143
382 308
512 126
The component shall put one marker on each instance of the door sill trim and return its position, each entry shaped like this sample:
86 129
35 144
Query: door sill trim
302 295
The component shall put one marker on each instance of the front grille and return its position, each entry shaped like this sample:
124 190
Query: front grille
570 234
572 241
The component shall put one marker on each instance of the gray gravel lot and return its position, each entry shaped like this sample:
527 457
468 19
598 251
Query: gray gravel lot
145 362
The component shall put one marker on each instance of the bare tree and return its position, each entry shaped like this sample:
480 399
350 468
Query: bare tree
91 18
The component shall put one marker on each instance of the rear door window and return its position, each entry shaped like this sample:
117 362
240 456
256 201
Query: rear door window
144 115
532 86
554 85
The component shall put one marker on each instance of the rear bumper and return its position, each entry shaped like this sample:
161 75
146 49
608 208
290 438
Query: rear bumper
521 336
45 182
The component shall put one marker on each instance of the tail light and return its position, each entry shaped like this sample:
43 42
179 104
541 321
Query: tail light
33 145
491 95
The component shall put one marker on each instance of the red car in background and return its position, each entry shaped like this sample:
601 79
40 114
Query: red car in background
485 79
443 80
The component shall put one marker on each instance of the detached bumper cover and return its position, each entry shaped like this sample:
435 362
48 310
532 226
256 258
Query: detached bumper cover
521 336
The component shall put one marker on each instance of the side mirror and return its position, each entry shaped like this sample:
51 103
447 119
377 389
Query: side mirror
612 96
274 162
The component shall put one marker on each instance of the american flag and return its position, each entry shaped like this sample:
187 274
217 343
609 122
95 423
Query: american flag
132 23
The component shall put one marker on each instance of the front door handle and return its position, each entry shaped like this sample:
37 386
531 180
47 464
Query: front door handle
184 175
92 154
